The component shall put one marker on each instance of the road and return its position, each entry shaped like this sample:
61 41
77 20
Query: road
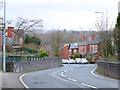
69 76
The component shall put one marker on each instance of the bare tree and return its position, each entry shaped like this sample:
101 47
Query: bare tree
105 29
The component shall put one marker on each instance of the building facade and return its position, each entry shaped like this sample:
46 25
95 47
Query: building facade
14 38
89 46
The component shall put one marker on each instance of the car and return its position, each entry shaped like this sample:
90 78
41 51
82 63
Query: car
65 61
78 61
84 61
71 61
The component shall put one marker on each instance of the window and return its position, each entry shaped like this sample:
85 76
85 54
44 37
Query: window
93 48
96 48
85 48
90 48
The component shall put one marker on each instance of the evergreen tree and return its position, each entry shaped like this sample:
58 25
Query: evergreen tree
117 36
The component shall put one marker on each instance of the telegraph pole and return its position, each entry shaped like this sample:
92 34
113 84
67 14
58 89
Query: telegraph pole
4 39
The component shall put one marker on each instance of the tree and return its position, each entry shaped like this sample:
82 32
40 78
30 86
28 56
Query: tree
117 36
24 26
105 30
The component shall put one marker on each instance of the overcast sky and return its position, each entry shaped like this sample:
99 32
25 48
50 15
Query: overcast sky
62 14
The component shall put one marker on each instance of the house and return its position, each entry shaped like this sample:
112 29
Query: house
68 50
73 48
64 52
88 46
14 38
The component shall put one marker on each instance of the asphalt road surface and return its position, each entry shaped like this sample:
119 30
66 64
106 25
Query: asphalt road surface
69 76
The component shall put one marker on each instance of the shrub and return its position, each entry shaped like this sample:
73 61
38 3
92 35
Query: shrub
43 53
76 55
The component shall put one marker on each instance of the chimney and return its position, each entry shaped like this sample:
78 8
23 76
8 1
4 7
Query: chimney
10 31
93 36
84 38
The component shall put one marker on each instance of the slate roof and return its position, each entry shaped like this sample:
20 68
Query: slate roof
73 46
19 32
95 41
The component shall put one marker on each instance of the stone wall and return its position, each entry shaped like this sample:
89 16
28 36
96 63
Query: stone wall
23 66
110 69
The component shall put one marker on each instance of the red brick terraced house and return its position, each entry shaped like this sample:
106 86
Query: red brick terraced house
89 46
14 38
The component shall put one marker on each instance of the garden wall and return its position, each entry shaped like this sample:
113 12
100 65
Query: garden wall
110 69
23 66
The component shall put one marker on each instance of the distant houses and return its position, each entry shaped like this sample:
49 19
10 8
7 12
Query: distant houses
88 45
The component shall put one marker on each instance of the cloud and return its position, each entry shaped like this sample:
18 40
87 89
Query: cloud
61 13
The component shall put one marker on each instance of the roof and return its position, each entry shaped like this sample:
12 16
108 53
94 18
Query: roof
64 46
19 32
73 45
95 41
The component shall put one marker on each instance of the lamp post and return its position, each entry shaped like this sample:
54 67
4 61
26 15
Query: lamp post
4 39
103 19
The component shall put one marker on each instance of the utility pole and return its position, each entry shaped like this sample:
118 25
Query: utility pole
4 39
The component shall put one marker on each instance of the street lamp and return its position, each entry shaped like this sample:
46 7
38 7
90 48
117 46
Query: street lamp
4 39
103 19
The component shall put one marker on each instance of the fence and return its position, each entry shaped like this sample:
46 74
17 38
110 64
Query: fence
22 58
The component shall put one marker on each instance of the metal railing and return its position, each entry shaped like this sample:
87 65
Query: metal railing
22 58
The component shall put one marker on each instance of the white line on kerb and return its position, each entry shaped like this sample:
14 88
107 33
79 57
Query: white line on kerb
62 74
89 85
94 73
23 81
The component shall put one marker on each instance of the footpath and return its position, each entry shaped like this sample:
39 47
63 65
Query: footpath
10 80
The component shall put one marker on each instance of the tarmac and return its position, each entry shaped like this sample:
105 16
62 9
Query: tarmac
10 80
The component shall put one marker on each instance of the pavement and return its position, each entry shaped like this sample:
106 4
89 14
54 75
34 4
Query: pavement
10 80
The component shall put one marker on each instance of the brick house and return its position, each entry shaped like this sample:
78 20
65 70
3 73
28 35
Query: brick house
68 50
64 52
14 38
89 46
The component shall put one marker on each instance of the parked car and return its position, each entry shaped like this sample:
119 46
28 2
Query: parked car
65 61
71 61
84 61
78 60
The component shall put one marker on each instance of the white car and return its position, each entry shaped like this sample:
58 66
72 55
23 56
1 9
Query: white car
71 61
84 61
78 60
65 61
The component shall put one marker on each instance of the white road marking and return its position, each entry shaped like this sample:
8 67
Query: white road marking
69 78
74 80
89 85
65 70
23 81
62 74
94 73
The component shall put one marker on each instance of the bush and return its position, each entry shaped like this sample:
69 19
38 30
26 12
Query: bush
43 53
76 55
